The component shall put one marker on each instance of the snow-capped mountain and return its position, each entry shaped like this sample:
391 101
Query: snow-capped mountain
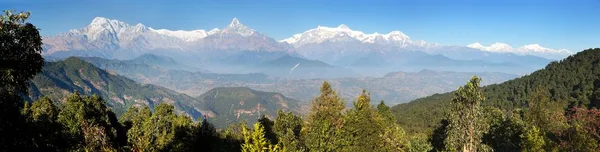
341 45
343 33
531 49
107 38
320 42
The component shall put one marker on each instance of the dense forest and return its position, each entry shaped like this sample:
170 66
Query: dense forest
554 109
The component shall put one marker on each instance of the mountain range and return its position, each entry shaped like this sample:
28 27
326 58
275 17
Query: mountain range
394 87
236 46
222 105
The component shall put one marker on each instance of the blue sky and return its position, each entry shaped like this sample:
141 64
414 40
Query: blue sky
569 24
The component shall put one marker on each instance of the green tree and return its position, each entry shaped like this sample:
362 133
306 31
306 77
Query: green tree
135 118
466 126
547 116
206 137
42 116
385 112
158 132
505 131
325 120
418 144
268 127
87 123
20 60
439 134
20 53
256 141
287 127
364 127
233 136
533 140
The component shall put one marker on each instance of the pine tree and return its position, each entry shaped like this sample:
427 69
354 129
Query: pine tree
325 120
256 141
363 128
287 127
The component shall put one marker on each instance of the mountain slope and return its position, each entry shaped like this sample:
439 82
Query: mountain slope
234 104
573 81
59 79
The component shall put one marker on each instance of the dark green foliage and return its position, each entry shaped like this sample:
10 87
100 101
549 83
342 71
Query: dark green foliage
438 136
268 125
20 60
207 138
323 128
287 127
504 133
42 118
385 112
20 54
363 126
87 123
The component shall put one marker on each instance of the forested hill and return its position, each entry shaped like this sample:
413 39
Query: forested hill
574 81
234 104
59 79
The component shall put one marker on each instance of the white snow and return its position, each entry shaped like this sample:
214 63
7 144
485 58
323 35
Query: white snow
183 35
324 33
530 49
238 28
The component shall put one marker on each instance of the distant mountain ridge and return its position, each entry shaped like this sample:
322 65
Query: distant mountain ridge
390 88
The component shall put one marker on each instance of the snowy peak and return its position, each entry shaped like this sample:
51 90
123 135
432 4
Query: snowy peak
235 27
539 49
214 31
235 22
193 35
343 26
476 45
343 33
530 49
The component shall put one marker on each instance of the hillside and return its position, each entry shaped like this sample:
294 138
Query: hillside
574 81
59 79
234 104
